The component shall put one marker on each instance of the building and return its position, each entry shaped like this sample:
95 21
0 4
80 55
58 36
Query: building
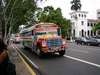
98 14
81 25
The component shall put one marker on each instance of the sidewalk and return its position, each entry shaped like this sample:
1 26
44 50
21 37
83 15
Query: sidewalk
21 68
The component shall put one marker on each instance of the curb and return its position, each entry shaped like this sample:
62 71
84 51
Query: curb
34 68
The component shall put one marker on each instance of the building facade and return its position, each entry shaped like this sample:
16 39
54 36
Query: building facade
98 14
81 25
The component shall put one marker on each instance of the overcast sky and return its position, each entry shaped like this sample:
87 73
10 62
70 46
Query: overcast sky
87 5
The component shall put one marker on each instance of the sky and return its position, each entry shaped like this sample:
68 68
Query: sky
90 6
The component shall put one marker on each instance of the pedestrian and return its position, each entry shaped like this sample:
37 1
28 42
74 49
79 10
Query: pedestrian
6 66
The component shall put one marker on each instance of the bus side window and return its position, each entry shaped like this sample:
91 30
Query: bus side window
33 32
33 35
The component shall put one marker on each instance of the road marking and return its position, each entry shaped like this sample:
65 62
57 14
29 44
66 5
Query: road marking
87 62
29 68
27 65
28 59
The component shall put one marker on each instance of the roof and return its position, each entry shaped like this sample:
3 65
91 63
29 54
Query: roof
35 26
93 20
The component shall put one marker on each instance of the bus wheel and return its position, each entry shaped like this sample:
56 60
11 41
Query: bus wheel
61 53
39 52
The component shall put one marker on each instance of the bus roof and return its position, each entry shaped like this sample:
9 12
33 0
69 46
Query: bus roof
38 26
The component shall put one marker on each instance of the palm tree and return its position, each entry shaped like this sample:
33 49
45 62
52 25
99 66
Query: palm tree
76 5
96 27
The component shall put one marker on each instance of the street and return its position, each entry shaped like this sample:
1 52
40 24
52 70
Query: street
78 60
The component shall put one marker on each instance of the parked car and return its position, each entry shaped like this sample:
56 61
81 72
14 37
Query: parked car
97 38
86 41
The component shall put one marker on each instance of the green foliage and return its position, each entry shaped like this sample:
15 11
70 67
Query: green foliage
15 13
97 27
76 5
49 14
22 12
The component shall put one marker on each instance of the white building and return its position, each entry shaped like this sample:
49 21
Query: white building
79 23
98 14
81 26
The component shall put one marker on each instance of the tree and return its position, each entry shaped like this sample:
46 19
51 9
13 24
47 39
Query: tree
76 5
97 27
15 13
22 12
49 14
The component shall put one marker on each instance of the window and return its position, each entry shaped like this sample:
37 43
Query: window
94 24
98 17
98 12
91 33
88 24
73 33
79 15
91 24
84 15
59 31
75 16
88 33
82 33
82 22
28 33
71 16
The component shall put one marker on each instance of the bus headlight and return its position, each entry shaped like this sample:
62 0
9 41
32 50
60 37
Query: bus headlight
64 42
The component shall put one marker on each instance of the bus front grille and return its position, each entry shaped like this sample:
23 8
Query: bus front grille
54 43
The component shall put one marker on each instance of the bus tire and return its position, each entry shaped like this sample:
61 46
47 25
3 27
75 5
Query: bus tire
39 52
61 53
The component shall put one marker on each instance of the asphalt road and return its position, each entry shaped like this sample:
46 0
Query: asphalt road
78 60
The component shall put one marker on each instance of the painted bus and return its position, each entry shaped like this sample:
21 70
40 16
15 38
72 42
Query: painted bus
44 38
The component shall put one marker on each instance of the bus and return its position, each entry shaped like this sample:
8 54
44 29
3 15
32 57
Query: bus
44 38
